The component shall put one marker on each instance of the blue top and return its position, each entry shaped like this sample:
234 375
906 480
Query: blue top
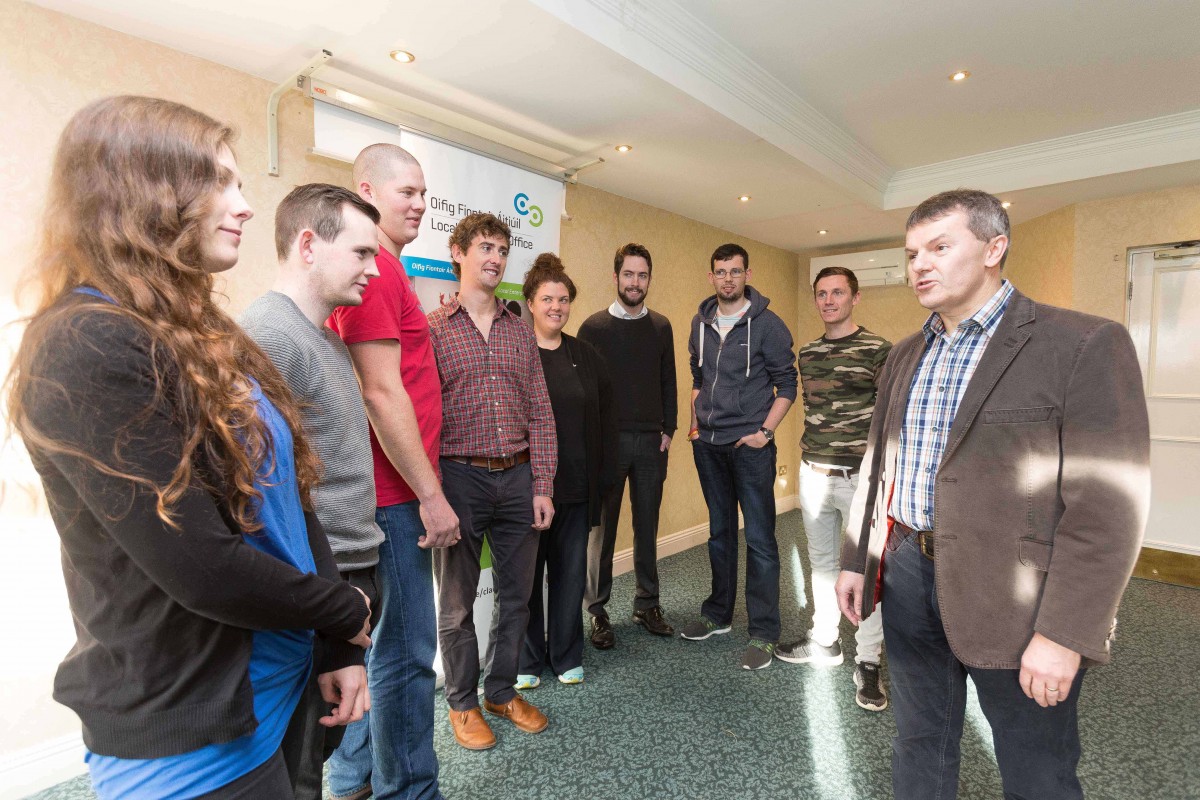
280 661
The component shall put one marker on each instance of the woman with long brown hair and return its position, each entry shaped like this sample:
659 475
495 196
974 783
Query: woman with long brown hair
171 454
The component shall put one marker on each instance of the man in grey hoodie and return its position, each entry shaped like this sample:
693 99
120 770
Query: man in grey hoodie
743 383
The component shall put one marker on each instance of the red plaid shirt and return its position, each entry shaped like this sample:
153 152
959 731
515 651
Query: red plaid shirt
494 400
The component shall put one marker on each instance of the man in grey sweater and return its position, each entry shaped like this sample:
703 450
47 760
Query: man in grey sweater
325 238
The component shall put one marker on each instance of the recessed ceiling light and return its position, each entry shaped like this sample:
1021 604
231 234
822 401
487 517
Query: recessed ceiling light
402 56
1005 204
822 231
870 259
745 198
623 148
961 75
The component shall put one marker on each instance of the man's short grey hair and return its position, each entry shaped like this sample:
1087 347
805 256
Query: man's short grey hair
986 218
377 163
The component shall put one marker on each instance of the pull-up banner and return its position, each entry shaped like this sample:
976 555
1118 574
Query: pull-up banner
459 182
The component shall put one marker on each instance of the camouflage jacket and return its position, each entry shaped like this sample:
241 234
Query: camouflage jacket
838 377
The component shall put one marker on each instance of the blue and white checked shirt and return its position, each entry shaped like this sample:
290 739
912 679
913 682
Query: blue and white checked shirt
937 389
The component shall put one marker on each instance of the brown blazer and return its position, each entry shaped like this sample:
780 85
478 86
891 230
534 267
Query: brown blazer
1041 496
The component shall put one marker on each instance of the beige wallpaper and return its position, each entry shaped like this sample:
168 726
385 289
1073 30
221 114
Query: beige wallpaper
681 247
1041 261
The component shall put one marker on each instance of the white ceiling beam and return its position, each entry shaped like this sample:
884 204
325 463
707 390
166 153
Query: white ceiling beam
667 41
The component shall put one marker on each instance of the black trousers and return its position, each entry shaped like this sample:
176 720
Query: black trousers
639 461
556 637
500 505
307 744
266 782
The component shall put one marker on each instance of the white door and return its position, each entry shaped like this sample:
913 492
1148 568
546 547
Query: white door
1164 320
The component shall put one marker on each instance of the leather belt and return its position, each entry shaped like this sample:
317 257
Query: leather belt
829 472
924 538
492 464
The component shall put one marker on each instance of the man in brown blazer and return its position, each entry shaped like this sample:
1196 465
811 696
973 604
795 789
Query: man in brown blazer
1002 505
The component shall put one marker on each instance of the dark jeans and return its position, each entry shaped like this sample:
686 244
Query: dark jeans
562 555
499 504
732 476
307 744
645 466
1037 749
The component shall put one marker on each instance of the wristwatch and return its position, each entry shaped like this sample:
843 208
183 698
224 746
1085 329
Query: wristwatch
767 432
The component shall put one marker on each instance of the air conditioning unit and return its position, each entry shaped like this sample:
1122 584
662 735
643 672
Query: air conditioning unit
873 268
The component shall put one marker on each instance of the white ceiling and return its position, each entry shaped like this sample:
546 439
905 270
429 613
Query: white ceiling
833 116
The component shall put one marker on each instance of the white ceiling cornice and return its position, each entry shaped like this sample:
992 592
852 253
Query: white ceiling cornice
1122 148
666 40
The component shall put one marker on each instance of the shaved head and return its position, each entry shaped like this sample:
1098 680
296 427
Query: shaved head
378 162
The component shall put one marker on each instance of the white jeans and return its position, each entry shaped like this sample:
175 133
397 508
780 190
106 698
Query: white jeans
825 506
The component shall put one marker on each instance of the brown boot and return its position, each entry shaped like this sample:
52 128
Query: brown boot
471 729
524 715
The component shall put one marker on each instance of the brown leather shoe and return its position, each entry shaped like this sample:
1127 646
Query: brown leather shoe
603 637
652 620
522 713
471 729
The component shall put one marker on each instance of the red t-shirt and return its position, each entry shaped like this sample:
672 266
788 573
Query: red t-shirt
391 310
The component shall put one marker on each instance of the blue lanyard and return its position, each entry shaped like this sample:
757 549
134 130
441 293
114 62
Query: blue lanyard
94 293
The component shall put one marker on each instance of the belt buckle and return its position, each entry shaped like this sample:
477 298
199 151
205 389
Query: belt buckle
499 461
925 544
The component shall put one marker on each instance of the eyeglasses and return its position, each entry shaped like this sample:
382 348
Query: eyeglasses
736 272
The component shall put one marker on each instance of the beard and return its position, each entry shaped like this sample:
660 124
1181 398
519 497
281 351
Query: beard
733 298
633 299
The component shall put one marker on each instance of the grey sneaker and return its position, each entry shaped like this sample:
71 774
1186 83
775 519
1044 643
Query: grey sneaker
870 695
758 654
806 651
702 629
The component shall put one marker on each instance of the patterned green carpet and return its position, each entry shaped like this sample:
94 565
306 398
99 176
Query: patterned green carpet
659 718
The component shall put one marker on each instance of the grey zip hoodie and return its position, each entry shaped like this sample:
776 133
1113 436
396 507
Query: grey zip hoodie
740 377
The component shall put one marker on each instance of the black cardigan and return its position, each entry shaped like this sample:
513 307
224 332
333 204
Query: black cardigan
163 617
600 422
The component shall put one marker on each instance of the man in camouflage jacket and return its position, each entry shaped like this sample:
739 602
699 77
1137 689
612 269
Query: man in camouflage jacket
838 373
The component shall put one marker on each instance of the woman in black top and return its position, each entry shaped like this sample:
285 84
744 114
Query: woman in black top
581 396
173 463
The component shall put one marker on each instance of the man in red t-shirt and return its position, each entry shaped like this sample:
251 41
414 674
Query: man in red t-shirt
391 753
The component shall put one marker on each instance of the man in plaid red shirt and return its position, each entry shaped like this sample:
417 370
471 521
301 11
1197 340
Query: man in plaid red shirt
498 456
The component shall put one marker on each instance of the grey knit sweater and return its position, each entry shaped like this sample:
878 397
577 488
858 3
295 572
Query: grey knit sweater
316 365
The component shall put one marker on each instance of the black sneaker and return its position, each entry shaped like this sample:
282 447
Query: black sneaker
806 651
758 654
870 695
702 629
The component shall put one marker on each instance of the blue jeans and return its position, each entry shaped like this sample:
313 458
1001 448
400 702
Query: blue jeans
392 747
732 476
1037 749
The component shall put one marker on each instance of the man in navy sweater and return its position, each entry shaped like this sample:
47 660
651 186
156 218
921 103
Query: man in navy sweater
639 348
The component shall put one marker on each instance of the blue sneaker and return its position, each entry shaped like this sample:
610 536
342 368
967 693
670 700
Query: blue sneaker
527 682
572 676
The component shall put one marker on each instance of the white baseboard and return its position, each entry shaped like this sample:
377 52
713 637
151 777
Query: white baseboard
688 538
33 769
